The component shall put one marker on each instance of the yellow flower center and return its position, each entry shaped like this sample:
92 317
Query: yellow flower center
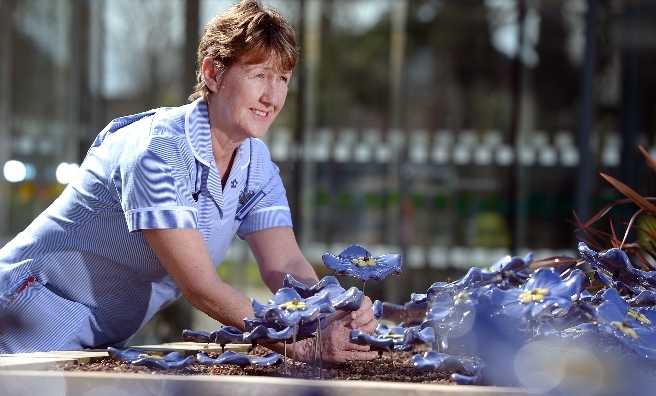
533 295
626 329
364 261
462 296
392 335
642 318
293 305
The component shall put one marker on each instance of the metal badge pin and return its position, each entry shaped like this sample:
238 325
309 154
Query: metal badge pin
245 196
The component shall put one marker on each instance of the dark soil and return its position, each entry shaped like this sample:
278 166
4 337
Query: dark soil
380 369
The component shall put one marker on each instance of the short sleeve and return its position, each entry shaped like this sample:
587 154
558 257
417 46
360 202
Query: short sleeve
271 211
153 183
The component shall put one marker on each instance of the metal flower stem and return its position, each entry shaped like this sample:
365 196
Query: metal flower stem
285 351
363 283
316 352
294 352
320 349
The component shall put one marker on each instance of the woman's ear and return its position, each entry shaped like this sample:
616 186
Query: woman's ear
211 74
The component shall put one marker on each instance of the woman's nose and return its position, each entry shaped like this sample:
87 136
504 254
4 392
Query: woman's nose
272 93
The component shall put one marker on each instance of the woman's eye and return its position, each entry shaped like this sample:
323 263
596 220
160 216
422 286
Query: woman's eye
260 75
284 79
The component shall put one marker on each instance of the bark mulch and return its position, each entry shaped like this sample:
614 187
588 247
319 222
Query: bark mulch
381 369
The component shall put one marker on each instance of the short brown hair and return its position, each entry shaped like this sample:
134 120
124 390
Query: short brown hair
246 30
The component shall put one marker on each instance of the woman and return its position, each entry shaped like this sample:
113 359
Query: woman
159 198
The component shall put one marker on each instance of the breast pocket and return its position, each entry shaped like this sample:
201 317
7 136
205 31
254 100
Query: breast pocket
249 204
35 319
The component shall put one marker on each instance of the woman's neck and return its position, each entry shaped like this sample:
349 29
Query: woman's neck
224 144
224 156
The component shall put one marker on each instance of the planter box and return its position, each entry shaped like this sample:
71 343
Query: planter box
24 374
19 383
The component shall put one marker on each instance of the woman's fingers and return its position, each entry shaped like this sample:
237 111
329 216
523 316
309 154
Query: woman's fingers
366 306
369 327
337 346
363 348
362 316
362 320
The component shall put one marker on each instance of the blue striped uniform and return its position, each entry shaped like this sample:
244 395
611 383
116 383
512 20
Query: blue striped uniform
82 275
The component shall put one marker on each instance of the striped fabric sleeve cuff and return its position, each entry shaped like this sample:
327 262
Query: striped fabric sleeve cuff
272 216
161 217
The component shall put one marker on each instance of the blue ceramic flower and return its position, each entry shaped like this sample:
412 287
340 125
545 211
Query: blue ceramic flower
266 333
287 307
436 361
170 361
196 336
616 263
545 294
636 334
240 359
302 330
357 262
376 343
398 337
345 300
306 291
227 335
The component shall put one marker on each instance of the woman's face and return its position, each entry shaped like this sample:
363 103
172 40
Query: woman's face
249 98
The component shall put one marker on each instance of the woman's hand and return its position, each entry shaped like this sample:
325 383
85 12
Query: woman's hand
335 340
277 254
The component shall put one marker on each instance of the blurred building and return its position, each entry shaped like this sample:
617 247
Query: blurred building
452 131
